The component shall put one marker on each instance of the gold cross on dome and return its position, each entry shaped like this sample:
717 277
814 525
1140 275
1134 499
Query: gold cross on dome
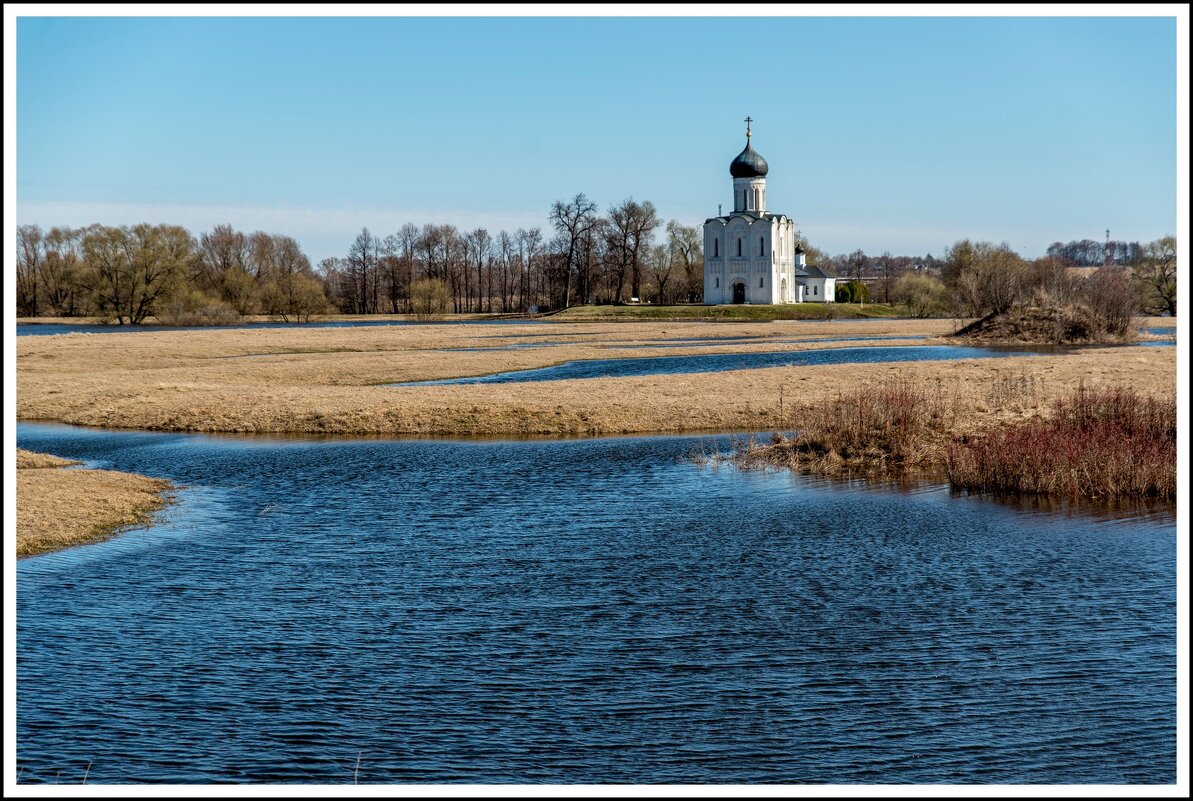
748 121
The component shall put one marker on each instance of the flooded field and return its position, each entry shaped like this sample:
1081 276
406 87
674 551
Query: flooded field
599 610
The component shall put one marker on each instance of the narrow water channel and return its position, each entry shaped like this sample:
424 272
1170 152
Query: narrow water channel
720 362
597 610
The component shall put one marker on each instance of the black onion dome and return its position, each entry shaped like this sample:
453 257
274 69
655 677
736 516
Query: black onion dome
748 164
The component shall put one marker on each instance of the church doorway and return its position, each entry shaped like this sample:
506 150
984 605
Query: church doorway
739 292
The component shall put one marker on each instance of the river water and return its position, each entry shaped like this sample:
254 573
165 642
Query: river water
599 610
721 362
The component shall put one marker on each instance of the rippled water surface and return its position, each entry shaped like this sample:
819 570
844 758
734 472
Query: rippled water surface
585 611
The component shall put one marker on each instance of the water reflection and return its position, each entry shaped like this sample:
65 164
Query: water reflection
1159 511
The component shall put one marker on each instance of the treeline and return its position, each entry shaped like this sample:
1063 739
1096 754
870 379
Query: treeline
1088 253
973 279
132 272
977 279
865 278
129 273
588 258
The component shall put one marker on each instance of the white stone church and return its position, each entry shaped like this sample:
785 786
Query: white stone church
751 255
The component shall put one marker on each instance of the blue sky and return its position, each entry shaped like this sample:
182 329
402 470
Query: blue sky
899 134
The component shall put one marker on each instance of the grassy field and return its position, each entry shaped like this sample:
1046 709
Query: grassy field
793 311
325 380
266 318
59 509
636 312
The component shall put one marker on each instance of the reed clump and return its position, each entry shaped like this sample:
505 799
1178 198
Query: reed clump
1099 443
878 427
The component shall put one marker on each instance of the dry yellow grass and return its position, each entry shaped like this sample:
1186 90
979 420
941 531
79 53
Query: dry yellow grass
32 460
59 509
324 380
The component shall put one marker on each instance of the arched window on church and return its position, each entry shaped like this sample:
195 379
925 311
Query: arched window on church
739 247
716 247
761 283
762 246
756 204
717 285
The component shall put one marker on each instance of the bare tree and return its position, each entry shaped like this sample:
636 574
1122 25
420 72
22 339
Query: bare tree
642 220
660 261
430 246
289 287
572 220
478 245
29 262
408 239
922 295
617 235
686 247
362 263
987 278
1155 274
588 257
335 285
455 264
63 271
886 275
392 266
223 264
528 244
505 249
132 266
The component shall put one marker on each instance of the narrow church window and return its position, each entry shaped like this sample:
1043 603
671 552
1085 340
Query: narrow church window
739 247
761 282
761 246
716 247
717 285
756 200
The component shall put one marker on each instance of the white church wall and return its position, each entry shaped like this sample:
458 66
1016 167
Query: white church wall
747 247
749 194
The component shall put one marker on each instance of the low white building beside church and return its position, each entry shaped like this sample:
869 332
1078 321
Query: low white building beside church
752 255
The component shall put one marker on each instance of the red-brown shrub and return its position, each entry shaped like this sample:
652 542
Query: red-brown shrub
1098 444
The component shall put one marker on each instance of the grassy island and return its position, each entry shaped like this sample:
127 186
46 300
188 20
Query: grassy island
59 508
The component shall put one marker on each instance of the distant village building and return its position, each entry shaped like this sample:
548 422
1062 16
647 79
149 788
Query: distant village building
752 255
